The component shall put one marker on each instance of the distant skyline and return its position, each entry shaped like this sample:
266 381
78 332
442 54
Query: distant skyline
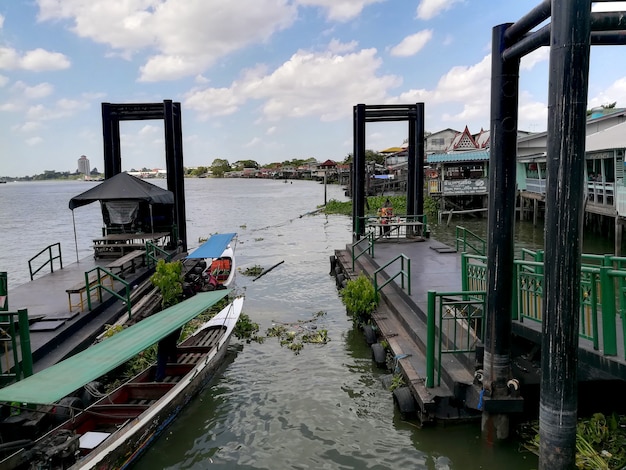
265 80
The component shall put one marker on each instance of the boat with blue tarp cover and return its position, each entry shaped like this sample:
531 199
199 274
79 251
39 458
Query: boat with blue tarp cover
217 259
118 426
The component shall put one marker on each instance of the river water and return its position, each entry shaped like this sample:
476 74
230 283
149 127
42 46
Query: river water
269 408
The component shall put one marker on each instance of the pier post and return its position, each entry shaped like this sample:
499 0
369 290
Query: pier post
415 180
500 248
567 116
358 167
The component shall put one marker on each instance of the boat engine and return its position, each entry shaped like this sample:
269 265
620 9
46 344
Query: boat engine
57 451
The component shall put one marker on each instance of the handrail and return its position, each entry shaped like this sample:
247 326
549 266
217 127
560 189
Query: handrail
21 368
101 274
50 260
421 218
468 239
459 321
602 295
370 248
406 274
152 254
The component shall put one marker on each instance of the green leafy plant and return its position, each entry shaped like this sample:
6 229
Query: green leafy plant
168 278
247 329
396 382
360 298
294 336
252 270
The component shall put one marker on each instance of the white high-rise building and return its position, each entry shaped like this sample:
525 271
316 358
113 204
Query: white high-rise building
83 165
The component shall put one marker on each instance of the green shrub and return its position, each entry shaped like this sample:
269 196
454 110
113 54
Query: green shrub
360 298
169 279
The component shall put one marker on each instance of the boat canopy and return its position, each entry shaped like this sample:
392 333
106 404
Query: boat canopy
65 377
213 247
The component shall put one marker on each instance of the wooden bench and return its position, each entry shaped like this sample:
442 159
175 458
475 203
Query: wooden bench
81 288
127 262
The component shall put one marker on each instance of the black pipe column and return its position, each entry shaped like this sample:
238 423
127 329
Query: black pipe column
174 161
358 168
111 141
411 168
415 179
567 105
501 236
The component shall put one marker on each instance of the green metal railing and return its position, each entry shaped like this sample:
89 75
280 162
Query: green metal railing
154 253
369 220
404 273
369 237
49 261
14 325
467 241
455 325
101 275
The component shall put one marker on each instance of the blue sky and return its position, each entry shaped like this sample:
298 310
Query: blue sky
267 80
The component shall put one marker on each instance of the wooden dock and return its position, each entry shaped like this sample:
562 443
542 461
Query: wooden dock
55 331
401 320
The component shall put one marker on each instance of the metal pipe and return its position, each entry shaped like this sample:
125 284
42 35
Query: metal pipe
533 18
567 119
501 236
358 195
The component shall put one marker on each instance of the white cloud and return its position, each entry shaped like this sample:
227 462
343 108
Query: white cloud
252 143
33 92
608 6
1 21
271 130
33 141
186 36
530 60
338 47
214 101
63 108
412 44
428 9
37 60
28 126
340 10
308 84
616 92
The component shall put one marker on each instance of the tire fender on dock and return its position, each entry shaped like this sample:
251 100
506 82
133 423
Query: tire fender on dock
405 402
379 355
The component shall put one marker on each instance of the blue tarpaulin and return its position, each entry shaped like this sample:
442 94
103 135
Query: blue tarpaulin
213 247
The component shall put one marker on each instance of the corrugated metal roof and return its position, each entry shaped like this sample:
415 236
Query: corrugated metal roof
59 380
611 138
472 156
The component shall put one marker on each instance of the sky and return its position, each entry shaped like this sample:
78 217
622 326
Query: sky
263 80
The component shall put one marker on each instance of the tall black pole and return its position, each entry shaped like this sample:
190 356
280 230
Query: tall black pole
358 195
174 167
501 236
421 156
567 106
412 168
180 173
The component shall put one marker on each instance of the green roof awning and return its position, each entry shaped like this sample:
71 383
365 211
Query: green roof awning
63 378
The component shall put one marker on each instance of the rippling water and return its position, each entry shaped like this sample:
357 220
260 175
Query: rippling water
268 408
